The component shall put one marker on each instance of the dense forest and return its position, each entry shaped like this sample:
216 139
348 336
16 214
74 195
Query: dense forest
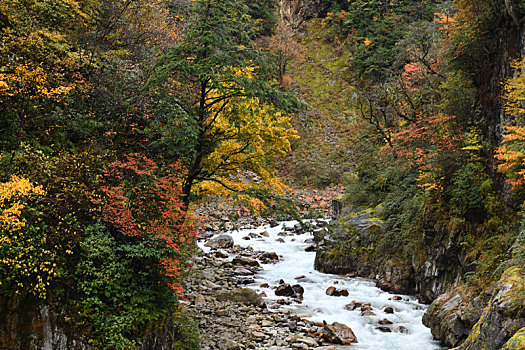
119 118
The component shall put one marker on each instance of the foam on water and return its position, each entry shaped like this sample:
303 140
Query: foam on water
296 262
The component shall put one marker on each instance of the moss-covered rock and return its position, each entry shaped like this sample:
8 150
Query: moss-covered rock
503 316
517 342
489 321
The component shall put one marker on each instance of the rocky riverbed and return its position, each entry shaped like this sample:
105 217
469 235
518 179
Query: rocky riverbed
256 289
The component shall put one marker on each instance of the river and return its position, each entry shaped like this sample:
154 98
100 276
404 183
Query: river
317 306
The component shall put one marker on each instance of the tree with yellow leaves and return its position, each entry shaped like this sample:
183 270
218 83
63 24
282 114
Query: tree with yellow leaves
232 123
25 262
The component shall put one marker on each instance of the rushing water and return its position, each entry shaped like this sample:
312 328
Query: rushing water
318 306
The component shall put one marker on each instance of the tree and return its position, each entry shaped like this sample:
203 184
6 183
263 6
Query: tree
218 80
284 49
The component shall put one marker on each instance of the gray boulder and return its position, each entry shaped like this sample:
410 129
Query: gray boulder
221 241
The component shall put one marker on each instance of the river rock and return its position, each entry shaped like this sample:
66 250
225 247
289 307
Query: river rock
310 248
385 321
284 290
388 310
334 292
221 241
338 333
384 329
241 271
400 329
269 257
199 300
502 316
298 229
244 296
245 262
273 223
367 313
330 290
298 290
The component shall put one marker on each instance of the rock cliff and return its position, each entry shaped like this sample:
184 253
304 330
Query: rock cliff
359 246
295 12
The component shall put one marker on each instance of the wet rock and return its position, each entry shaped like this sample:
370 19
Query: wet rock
334 292
245 262
221 241
265 234
273 223
330 290
367 313
396 297
338 333
264 285
503 316
401 329
284 290
269 257
385 321
388 310
298 229
311 248
280 240
298 290
241 271
384 329
220 254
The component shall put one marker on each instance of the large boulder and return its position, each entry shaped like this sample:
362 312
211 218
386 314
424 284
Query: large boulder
221 241
244 296
488 321
338 333
504 315
285 290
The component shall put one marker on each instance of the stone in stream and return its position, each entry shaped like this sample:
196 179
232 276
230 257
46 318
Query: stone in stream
220 254
298 229
311 248
273 223
384 321
367 313
245 262
338 333
269 257
384 329
220 241
298 289
245 296
241 271
284 290
388 310
265 234
401 329
353 305
332 291
280 240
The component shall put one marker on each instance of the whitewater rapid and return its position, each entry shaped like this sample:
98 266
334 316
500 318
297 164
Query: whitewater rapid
317 306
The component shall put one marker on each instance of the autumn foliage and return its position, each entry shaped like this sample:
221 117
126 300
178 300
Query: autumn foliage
144 202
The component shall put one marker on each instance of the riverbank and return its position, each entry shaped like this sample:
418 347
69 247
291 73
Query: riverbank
300 310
